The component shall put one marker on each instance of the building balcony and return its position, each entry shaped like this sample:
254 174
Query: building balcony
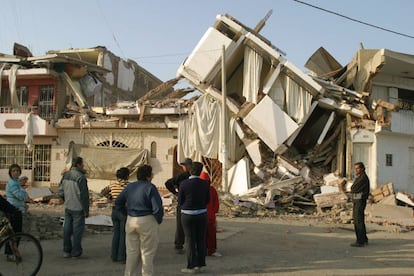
19 120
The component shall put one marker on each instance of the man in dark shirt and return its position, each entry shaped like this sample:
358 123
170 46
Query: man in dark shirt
193 197
173 185
360 193
145 213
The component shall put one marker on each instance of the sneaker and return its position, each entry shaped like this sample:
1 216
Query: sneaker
199 269
189 270
66 255
356 244
179 251
216 254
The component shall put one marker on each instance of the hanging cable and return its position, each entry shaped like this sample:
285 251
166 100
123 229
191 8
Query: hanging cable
355 20
110 29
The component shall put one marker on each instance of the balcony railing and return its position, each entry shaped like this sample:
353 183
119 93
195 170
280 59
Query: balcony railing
18 109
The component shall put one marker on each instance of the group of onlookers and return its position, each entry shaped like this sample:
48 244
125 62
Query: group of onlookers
137 212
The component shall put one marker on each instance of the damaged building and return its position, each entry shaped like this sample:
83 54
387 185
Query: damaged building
286 130
82 102
282 137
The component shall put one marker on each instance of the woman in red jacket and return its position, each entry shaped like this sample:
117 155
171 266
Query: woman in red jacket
212 209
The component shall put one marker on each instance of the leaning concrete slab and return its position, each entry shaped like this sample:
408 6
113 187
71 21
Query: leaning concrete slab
239 177
253 149
270 123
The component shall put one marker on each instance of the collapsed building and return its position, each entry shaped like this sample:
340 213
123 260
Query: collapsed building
285 129
285 134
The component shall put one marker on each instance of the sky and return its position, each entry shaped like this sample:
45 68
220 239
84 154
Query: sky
160 34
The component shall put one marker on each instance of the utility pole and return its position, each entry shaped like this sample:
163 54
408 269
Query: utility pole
224 183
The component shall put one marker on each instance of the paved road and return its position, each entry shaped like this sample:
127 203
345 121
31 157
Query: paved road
258 247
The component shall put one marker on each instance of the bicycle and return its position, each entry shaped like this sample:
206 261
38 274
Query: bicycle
26 252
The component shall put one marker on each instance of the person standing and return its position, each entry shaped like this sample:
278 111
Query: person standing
173 185
193 197
360 192
16 196
145 213
73 189
118 252
212 209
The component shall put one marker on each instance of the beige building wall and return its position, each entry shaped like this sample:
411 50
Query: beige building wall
160 144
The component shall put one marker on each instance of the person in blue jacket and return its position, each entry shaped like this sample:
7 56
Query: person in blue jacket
15 193
16 196
145 213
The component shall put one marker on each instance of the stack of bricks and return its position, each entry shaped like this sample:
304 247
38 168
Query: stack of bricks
382 192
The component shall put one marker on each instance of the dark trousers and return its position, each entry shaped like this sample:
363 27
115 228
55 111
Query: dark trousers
118 252
16 221
179 232
195 228
359 220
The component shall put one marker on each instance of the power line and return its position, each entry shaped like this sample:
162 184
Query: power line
355 20
110 29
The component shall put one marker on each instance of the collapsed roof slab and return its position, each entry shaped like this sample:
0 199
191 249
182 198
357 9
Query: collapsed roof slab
289 68
239 177
270 123
253 149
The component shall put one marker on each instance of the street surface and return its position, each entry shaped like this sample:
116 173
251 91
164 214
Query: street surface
289 245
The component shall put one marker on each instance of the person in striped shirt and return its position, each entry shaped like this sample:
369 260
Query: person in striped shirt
112 191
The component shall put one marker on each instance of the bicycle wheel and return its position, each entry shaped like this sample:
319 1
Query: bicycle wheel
27 255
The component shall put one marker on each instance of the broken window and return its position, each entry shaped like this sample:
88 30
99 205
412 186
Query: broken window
406 99
46 93
388 160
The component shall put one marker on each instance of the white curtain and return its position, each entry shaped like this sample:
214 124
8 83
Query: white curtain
200 133
205 125
298 100
252 69
277 93
28 140
12 85
1 73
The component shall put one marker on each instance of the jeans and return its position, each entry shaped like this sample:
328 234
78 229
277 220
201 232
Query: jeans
118 239
195 228
179 232
358 216
73 228
142 237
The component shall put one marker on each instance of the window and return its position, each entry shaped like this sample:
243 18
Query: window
15 154
41 158
113 144
406 99
46 102
153 150
38 160
388 160
23 95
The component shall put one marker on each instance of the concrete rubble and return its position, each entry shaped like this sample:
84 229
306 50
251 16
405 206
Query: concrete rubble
296 128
